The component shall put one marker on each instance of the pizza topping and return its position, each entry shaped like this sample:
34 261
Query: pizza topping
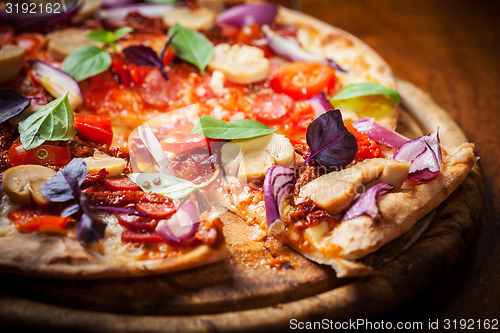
170 186
425 156
64 42
237 129
144 9
303 80
94 128
86 62
332 145
137 223
141 55
52 122
156 210
241 64
257 155
58 83
366 204
182 225
11 104
368 99
290 48
65 186
11 61
29 219
242 15
336 190
45 154
367 148
113 165
108 37
191 46
22 184
366 89
380 133
278 185
272 108
320 104
197 19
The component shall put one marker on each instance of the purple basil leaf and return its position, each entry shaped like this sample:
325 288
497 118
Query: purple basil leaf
65 185
167 44
141 55
366 204
11 104
332 145
68 211
89 230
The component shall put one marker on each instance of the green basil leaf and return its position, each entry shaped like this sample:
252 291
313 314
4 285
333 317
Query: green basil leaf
365 89
170 186
86 61
119 33
191 46
101 36
236 129
52 122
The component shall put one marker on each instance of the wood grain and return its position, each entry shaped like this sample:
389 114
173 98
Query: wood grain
450 50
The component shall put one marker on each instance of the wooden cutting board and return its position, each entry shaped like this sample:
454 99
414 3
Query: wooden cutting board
245 292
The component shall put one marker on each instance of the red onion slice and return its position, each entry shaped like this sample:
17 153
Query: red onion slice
148 10
367 203
242 15
380 133
181 226
320 104
57 82
290 48
277 185
425 156
117 3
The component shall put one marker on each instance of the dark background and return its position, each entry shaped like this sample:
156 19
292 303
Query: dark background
451 50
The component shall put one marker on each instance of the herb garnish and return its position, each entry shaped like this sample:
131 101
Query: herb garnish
191 46
11 104
87 61
237 129
141 55
170 186
108 37
65 186
332 145
365 89
52 122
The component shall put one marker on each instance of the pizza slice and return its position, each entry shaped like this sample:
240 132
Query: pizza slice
328 200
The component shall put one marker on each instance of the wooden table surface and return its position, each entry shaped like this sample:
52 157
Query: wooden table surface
451 50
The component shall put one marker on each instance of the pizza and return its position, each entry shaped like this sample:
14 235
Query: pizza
126 131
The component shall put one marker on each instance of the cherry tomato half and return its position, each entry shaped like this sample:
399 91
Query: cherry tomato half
94 128
303 80
42 155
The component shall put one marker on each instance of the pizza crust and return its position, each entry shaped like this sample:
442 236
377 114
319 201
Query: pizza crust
60 257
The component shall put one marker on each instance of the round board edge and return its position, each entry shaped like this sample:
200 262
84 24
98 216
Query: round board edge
368 297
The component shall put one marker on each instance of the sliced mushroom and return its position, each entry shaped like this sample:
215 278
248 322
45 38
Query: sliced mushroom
11 61
22 184
113 165
254 156
63 42
335 191
241 64
197 19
